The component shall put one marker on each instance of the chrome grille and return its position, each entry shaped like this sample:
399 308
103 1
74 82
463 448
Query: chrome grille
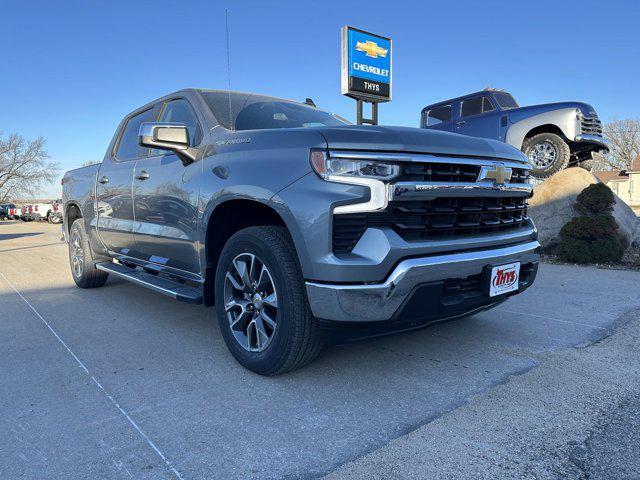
433 219
591 125
438 197
450 173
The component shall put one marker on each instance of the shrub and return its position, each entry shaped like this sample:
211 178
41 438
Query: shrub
590 228
607 249
595 199
598 251
592 237
575 250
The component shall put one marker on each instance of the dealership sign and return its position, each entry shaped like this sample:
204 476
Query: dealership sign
366 65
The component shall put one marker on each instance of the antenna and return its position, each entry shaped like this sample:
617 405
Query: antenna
226 22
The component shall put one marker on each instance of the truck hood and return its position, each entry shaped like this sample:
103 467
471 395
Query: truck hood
523 112
415 140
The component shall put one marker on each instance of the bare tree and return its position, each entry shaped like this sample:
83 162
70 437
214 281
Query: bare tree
24 169
624 139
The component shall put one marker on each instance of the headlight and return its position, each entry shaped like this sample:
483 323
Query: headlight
365 173
329 168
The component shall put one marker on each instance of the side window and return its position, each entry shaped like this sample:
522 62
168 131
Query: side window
128 147
472 106
439 115
179 111
486 105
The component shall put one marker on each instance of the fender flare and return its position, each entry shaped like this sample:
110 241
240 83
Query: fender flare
264 197
565 119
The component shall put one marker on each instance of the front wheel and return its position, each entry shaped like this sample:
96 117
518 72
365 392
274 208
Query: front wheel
548 154
83 269
261 302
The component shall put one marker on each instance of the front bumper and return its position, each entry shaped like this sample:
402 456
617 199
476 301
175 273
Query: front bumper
387 300
594 140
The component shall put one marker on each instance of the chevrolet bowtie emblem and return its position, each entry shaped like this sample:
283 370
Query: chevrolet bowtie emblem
371 49
498 173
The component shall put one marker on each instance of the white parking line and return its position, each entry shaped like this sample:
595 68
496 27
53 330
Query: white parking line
551 318
97 383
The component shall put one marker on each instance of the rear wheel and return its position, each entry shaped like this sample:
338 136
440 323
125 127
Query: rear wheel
548 154
261 302
81 259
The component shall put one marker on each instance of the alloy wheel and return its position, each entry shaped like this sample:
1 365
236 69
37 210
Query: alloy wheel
77 254
543 155
251 302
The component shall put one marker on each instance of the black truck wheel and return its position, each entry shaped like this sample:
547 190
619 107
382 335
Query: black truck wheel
261 302
81 259
548 154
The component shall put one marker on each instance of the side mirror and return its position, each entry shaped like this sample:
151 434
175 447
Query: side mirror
168 136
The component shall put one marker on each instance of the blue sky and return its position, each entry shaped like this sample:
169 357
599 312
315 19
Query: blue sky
71 70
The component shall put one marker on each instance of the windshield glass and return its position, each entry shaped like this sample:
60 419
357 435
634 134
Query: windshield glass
505 100
246 111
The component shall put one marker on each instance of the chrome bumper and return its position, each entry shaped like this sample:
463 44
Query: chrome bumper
378 302
587 138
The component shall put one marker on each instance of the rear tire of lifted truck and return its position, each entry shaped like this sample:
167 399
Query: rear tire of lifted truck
296 339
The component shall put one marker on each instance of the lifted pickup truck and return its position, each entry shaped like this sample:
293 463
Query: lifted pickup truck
552 135
299 226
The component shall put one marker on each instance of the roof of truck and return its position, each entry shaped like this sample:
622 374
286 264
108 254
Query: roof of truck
463 97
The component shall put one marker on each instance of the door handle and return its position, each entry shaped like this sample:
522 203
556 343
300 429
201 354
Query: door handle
104 179
461 122
143 175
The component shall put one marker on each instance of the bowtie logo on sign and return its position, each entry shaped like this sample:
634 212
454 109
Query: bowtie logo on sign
371 49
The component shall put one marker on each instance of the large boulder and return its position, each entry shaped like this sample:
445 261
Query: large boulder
552 205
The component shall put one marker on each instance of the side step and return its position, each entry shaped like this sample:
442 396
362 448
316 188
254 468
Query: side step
179 291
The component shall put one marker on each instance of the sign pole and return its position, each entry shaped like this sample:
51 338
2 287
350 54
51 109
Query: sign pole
359 112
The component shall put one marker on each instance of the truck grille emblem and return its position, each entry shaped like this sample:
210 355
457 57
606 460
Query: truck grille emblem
498 173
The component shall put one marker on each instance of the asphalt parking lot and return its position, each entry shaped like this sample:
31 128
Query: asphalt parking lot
119 382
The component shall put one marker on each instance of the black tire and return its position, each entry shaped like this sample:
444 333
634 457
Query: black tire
87 276
553 143
296 338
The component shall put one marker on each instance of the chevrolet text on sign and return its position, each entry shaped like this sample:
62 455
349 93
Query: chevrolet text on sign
366 65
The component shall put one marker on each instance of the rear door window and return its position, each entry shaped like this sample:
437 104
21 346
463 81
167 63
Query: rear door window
439 115
128 148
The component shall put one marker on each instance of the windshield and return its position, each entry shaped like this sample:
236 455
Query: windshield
505 100
245 111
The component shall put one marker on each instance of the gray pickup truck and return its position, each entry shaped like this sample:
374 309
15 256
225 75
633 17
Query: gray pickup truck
299 227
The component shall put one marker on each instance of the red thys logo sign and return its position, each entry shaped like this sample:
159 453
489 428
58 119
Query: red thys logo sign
505 278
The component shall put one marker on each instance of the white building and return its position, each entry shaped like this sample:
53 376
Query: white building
624 183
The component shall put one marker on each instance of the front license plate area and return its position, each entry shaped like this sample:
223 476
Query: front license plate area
504 279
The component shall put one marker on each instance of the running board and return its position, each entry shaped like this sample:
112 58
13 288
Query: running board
179 291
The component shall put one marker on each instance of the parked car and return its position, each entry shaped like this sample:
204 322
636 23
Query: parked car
40 212
14 212
300 227
26 213
552 135
6 210
55 213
